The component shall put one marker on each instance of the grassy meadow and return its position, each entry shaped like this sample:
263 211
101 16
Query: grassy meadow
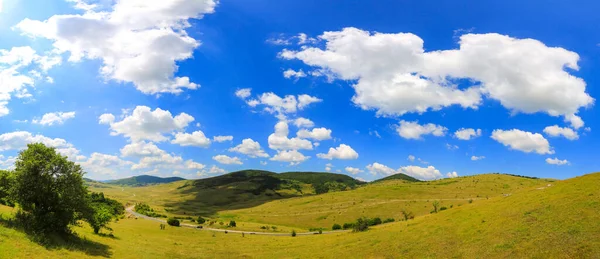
536 219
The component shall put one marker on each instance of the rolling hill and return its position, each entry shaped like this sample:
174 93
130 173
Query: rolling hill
142 180
540 219
398 177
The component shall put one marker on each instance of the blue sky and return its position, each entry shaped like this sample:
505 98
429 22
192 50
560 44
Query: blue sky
144 87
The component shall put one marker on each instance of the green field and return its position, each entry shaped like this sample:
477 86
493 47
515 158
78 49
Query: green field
535 218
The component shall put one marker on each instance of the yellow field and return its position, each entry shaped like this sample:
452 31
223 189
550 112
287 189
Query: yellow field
560 219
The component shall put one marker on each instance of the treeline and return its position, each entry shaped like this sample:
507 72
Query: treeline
50 194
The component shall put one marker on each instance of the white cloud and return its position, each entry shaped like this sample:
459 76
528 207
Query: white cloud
295 74
243 93
423 173
413 130
196 139
467 134
451 147
263 162
452 175
226 160
292 156
523 141
216 170
20 68
303 123
54 118
279 139
328 167
250 148
556 161
374 133
353 171
127 36
289 104
141 149
475 158
318 134
556 131
343 151
7 163
222 138
103 165
395 75
18 140
145 124
411 158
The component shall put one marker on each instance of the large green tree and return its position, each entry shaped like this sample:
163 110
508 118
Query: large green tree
49 189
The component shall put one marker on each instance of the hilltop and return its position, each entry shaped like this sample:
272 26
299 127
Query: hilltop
398 176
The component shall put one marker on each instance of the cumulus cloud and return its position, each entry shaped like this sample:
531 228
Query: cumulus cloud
556 131
243 93
292 156
318 134
279 139
222 138
289 104
196 139
20 68
556 161
145 124
394 74
141 149
303 123
475 158
18 140
54 118
423 173
467 134
523 141
250 148
105 166
353 170
413 130
343 152
127 36
452 175
290 73
411 158
226 160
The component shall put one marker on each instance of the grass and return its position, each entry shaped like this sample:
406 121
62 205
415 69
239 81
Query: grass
558 219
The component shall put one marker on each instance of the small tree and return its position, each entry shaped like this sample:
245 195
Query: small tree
6 184
436 205
407 215
336 227
362 224
232 224
49 189
200 220
173 222
99 218
293 233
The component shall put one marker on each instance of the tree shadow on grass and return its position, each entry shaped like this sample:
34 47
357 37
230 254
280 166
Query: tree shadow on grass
71 242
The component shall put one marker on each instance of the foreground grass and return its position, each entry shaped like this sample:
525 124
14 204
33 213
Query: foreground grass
556 221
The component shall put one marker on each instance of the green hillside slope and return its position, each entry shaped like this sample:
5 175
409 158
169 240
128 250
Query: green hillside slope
142 180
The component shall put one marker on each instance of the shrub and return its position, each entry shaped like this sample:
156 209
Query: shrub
232 224
348 225
389 220
264 227
293 233
443 208
470 200
374 221
173 222
336 227
200 220
362 224
407 215
221 223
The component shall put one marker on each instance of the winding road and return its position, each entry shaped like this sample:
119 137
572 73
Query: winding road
132 212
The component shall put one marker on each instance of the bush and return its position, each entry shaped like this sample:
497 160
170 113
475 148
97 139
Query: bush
389 220
336 227
361 225
173 222
293 233
200 220
374 221
232 224
436 205
443 208
407 215
348 225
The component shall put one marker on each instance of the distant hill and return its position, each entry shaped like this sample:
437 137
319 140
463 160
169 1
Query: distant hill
398 177
323 182
142 180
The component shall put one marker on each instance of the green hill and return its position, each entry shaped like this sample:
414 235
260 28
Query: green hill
142 180
398 177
